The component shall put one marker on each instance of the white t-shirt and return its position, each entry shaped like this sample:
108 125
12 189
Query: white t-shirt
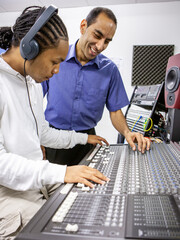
21 164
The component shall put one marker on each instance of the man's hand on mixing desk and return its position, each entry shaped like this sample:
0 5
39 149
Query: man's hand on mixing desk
142 142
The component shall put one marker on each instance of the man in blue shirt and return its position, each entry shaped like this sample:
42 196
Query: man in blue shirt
87 81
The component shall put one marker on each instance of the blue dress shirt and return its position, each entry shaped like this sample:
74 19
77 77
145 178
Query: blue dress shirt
2 50
76 96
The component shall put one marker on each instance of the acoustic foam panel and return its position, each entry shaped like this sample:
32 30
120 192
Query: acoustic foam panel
149 63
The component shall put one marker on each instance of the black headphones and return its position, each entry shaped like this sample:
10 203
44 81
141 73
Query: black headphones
29 47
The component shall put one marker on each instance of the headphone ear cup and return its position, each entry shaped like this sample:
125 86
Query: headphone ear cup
34 49
30 50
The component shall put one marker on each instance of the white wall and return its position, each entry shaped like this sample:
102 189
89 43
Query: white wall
138 24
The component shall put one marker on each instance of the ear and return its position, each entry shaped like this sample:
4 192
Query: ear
83 26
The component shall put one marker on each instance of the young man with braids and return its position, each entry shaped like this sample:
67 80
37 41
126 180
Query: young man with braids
93 82
26 179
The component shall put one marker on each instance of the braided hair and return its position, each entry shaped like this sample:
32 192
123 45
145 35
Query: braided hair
47 37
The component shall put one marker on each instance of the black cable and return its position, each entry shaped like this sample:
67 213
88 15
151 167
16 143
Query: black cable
30 98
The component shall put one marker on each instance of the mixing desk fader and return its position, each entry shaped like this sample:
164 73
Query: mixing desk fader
141 201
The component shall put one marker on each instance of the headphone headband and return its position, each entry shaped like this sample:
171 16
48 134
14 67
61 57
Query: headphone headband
29 47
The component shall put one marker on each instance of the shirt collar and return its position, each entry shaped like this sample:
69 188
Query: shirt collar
7 68
72 54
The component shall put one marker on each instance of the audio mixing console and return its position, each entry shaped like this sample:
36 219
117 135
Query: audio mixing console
141 201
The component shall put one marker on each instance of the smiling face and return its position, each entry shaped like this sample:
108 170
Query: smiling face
46 64
95 38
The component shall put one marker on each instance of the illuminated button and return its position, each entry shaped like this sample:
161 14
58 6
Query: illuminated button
85 189
80 185
71 227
